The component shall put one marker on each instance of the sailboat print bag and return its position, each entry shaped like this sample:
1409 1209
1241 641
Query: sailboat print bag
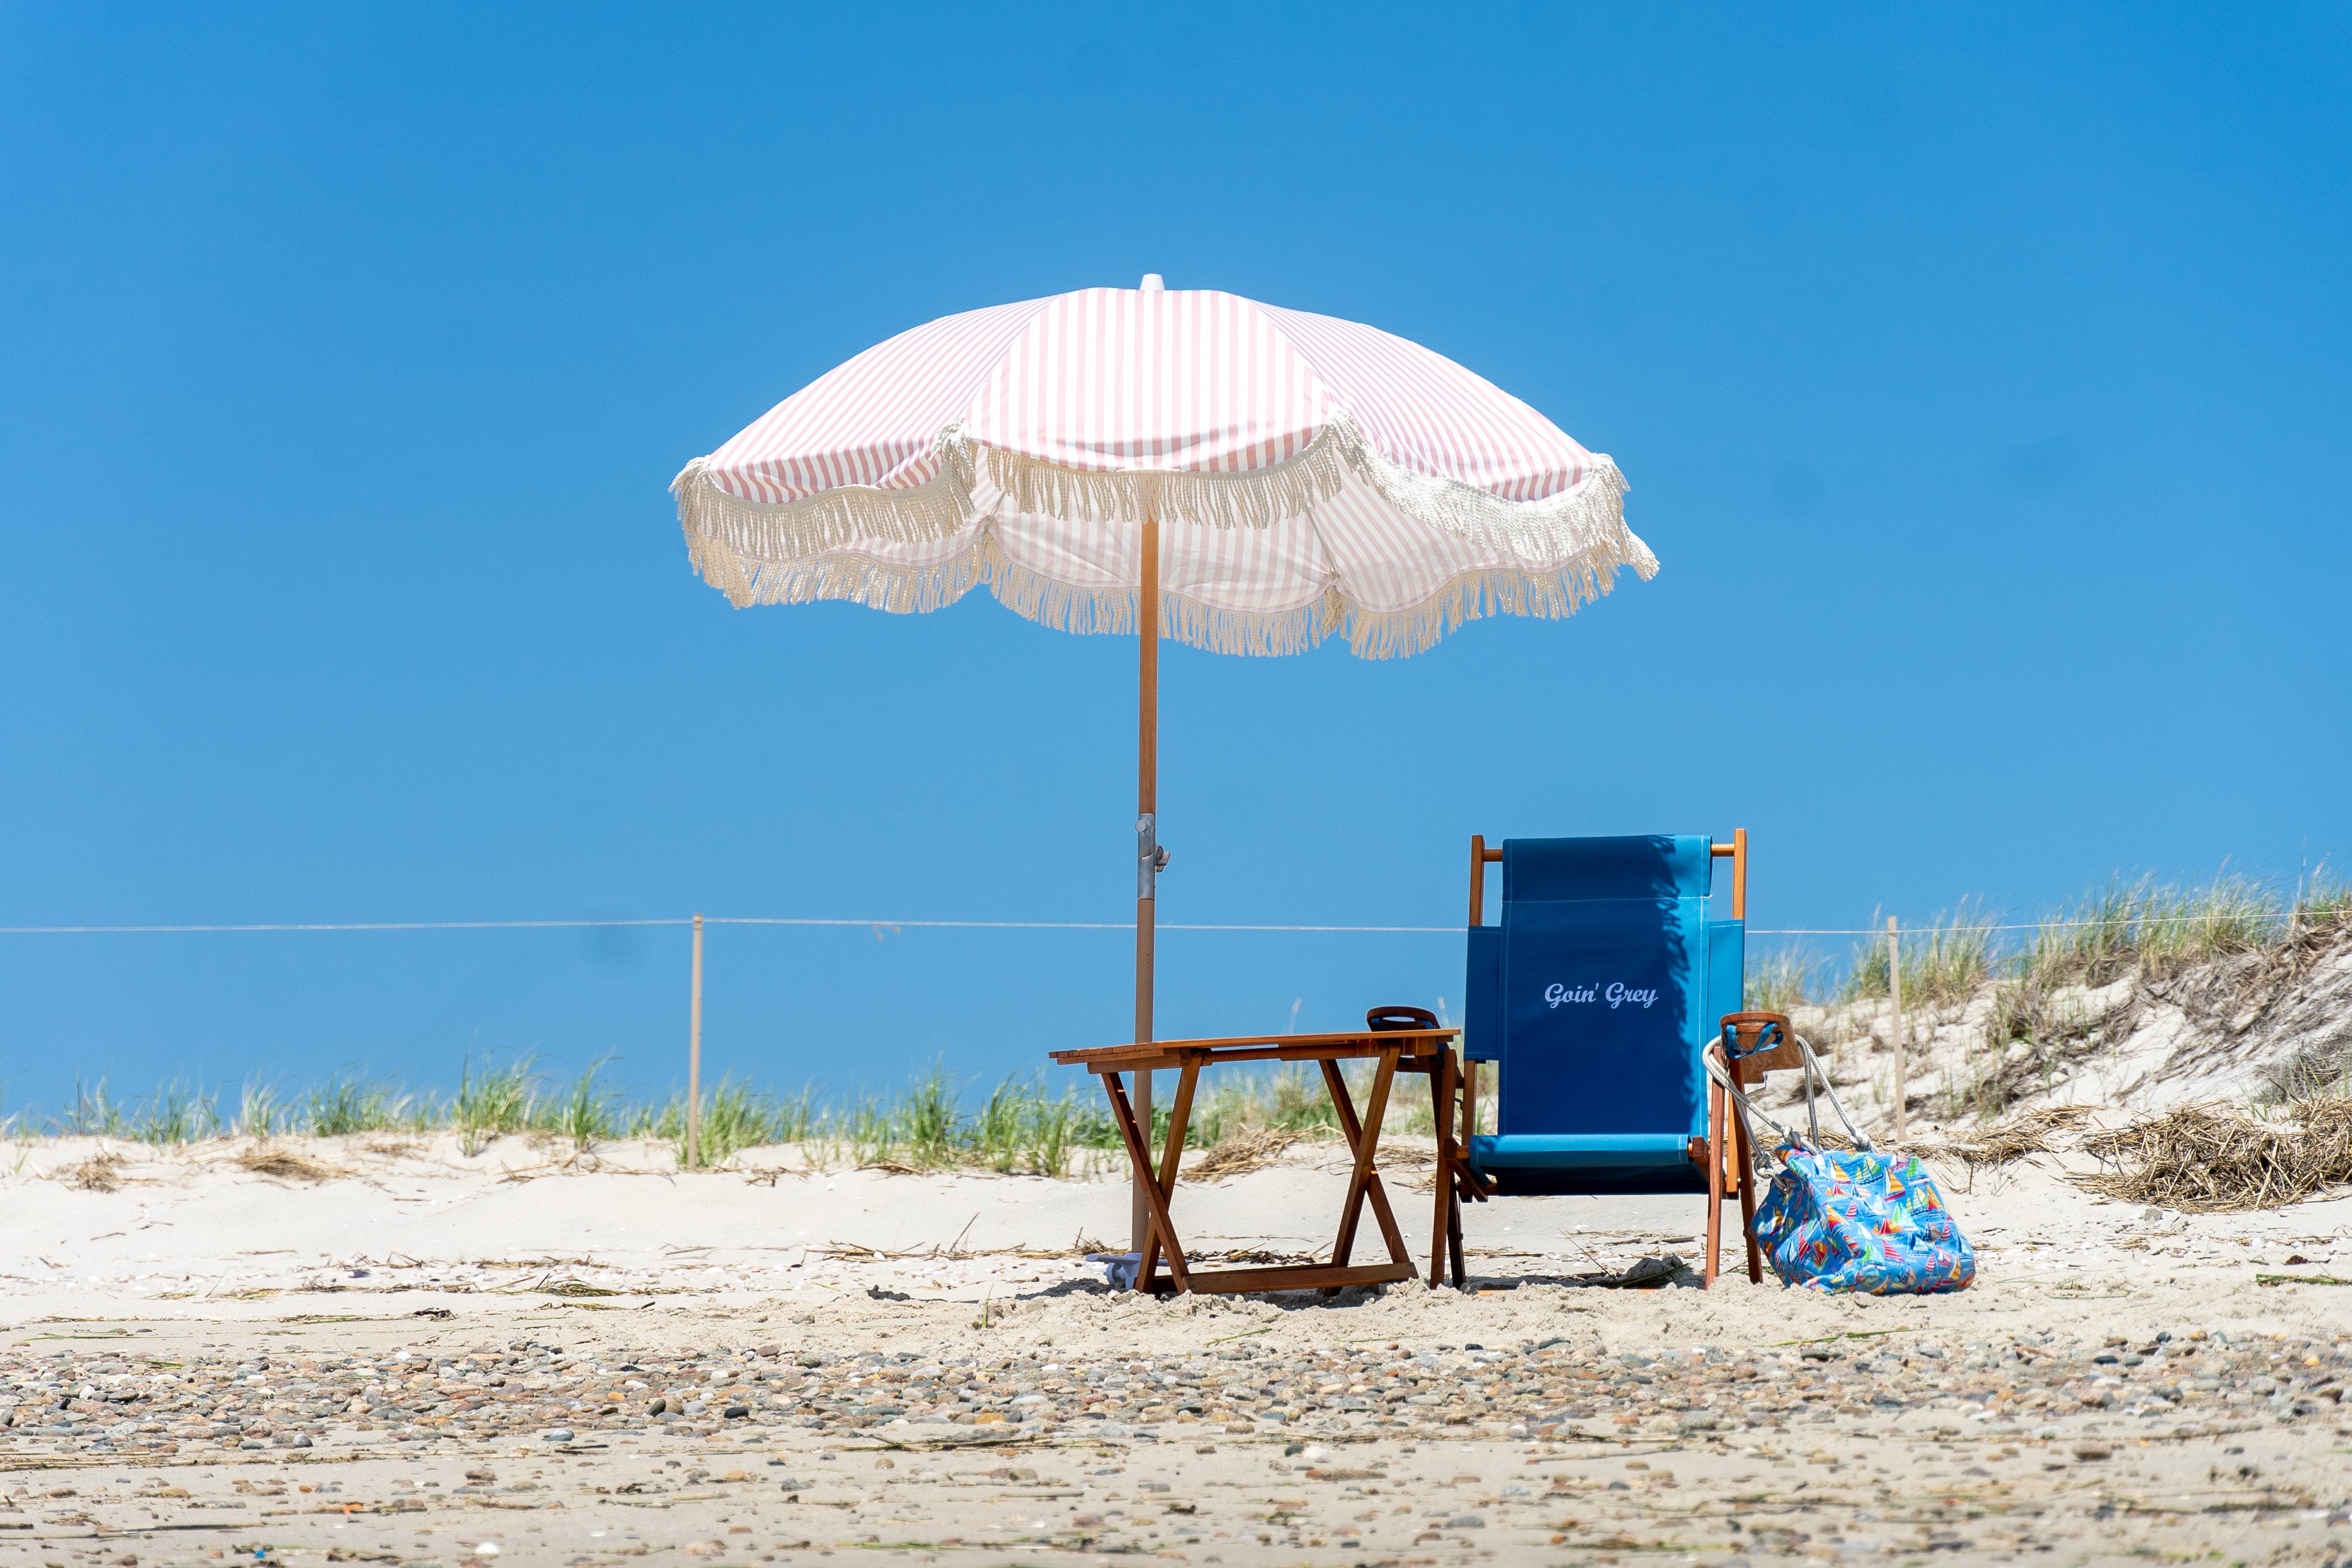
1849 1220
1861 1221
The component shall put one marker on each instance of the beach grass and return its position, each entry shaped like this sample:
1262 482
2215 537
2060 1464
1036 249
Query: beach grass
493 1099
2322 899
1943 961
348 1102
2138 926
177 1112
1019 1125
2157 929
1781 980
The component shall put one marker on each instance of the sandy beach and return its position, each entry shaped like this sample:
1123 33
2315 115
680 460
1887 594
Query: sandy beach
526 1356
672 673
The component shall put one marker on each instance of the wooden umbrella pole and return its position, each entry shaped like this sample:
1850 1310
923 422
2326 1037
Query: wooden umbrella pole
1147 832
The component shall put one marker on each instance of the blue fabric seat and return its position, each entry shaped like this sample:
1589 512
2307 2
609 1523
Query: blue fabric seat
1593 998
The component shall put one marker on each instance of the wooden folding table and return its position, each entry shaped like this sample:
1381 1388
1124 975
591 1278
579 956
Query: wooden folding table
1391 1050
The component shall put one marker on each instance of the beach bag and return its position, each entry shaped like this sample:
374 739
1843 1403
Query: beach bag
1851 1220
1861 1221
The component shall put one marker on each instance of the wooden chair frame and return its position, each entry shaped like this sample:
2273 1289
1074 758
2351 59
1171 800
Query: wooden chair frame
1728 1130
1392 1051
1454 1098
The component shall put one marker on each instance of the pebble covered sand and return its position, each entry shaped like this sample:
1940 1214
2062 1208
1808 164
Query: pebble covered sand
1235 1454
1023 1412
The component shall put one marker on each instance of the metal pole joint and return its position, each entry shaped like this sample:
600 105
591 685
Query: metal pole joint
1150 859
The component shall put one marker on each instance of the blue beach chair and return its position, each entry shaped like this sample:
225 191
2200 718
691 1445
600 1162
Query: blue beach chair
1611 973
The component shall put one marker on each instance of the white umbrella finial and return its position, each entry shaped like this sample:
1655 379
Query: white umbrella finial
1153 283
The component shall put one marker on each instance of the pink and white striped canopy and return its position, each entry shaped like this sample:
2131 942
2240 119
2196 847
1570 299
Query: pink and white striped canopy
1311 478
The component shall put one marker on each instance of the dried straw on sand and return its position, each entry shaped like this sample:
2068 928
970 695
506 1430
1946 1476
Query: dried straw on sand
2014 1140
2202 1157
1241 1152
286 1164
102 1172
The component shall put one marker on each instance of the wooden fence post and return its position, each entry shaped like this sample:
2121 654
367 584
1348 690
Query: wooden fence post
693 1060
1895 989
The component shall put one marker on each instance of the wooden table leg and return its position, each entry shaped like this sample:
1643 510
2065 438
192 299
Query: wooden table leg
1467 1181
1180 1117
1441 1101
1138 1155
1363 1140
1377 1192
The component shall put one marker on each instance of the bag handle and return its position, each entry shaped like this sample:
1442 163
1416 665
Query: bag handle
1767 1040
1722 1075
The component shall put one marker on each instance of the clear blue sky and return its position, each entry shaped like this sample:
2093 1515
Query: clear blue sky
1981 375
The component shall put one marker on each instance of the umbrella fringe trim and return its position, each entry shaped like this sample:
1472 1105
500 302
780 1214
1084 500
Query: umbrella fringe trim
1550 594
718 525
1240 498
1589 515
850 577
1587 519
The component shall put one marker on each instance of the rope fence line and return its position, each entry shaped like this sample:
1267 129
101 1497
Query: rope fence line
694 1104
892 925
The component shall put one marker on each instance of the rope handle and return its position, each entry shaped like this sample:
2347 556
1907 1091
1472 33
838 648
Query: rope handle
1769 1038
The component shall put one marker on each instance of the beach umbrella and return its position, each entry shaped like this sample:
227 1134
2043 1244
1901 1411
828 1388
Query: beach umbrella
1267 478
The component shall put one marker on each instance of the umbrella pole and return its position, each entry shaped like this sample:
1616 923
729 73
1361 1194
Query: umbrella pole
1147 808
